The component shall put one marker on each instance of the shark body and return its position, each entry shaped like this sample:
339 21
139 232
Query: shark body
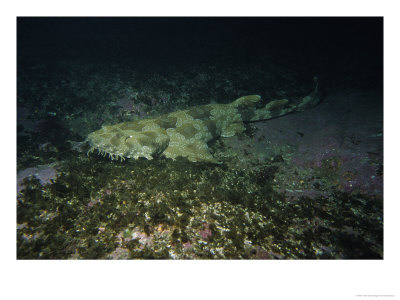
186 132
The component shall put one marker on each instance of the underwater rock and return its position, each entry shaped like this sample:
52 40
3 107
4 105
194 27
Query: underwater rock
186 132
45 174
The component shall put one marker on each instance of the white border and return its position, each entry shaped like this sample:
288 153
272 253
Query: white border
196 279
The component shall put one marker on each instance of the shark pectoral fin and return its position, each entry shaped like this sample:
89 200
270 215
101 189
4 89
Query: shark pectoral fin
232 129
195 151
246 101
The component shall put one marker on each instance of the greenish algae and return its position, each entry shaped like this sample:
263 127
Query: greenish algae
163 209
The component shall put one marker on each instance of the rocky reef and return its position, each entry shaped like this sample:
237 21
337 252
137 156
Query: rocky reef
185 210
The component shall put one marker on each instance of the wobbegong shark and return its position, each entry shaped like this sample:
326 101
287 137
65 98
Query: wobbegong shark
185 133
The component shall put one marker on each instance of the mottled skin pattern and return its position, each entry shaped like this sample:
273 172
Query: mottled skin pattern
186 132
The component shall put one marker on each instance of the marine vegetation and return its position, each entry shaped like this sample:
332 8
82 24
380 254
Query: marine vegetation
188 210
